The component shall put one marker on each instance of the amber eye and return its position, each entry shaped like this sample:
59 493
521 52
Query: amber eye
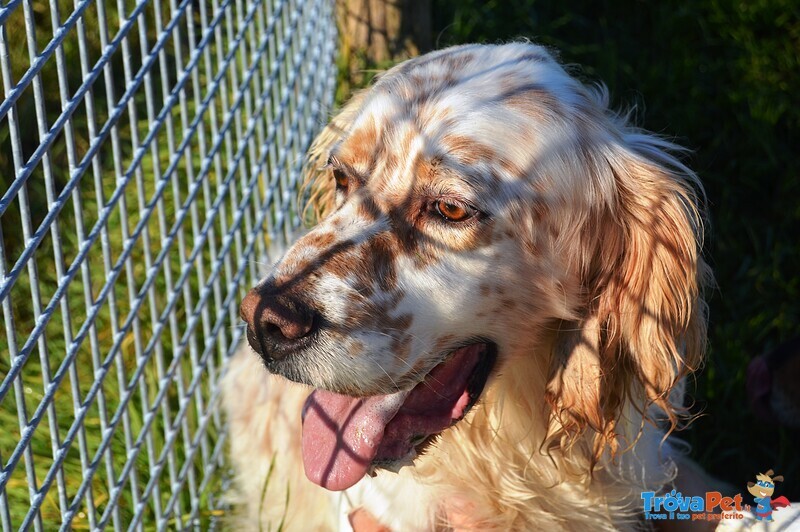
342 181
453 212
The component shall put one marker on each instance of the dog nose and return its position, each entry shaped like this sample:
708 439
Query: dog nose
274 322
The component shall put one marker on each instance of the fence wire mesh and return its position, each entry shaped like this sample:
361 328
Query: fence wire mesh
150 154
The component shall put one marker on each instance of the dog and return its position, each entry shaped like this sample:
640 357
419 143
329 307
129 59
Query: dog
491 324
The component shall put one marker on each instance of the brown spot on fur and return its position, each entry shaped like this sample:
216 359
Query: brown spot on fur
338 264
368 209
467 150
356 349
320 240
405 212
381 256
508 304
512 168
361 148
427 169
456 63
531 99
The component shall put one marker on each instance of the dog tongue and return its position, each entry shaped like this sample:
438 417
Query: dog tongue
343 436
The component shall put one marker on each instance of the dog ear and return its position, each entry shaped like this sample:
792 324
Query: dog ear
778 478
644 324
319 189
769 473
574 386
651 299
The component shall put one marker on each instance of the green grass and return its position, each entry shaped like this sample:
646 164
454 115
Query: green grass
263 500
31 380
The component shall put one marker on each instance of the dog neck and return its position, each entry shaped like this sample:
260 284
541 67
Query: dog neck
502 448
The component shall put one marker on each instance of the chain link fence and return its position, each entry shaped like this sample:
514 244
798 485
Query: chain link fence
150 154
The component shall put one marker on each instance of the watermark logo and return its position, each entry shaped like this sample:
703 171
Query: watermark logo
762 491
713 506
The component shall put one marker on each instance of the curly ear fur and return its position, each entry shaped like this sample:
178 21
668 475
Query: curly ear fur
644 323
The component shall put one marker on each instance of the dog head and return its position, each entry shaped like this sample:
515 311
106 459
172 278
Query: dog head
480 208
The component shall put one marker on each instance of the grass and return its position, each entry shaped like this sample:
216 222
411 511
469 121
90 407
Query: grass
94 191
263 500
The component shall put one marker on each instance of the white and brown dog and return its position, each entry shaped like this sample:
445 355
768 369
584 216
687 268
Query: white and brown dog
498 306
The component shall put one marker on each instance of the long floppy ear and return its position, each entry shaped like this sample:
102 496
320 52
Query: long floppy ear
643 327
319 188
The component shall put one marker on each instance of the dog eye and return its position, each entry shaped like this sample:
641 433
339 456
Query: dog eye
453 212
342 181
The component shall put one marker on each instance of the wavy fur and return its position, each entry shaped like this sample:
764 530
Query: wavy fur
593 293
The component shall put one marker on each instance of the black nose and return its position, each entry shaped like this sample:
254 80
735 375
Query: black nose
275 323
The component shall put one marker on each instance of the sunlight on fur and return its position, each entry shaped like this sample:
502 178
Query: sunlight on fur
574 254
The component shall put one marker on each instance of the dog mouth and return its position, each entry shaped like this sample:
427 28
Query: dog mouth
345 438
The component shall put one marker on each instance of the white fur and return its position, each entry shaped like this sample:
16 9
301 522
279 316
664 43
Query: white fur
587 277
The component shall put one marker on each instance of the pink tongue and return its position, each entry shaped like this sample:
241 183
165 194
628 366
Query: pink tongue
343 435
